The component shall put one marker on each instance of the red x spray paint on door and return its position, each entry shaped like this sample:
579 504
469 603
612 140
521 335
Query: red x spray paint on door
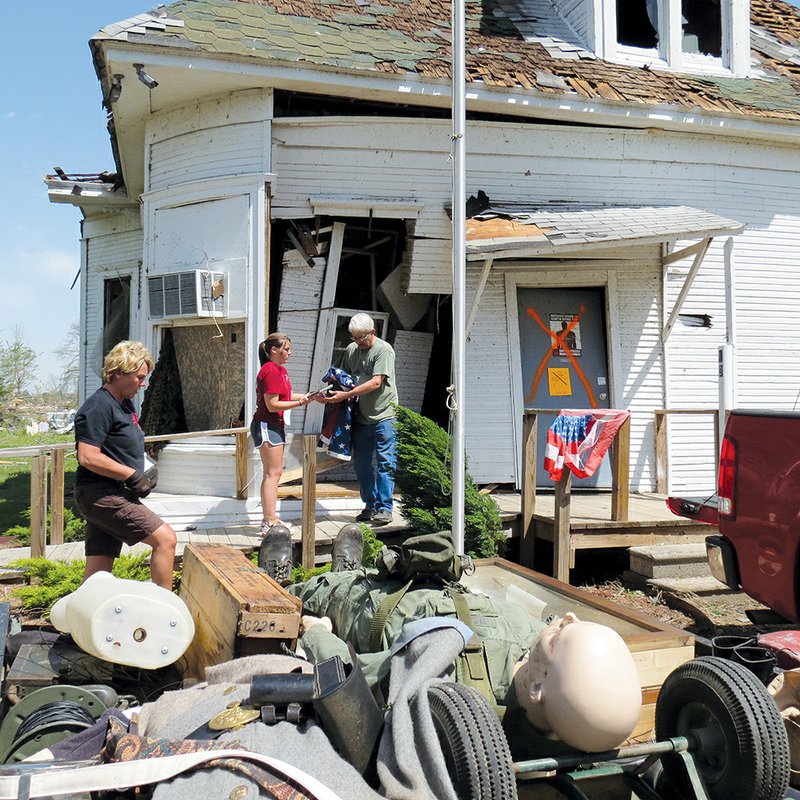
563 356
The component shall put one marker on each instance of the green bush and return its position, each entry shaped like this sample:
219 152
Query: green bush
423 479
73 528
52 580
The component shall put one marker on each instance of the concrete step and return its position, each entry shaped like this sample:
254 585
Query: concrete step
670 561
701 586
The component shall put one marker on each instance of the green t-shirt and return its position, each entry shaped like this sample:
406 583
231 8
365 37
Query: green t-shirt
364 364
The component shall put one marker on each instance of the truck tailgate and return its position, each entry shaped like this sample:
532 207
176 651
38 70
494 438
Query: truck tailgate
701 509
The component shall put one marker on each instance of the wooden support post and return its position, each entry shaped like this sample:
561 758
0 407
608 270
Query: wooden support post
57 497
527 535
309 521
38 505
562 544
662 463
241 465
620 471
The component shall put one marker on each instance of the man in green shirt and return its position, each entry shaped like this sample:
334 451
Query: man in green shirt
370 361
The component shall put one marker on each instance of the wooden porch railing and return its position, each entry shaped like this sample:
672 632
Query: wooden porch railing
620 492
661 416
48 460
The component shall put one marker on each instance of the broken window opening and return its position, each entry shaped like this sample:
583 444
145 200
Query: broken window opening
702 27
116 311
637 23
369 254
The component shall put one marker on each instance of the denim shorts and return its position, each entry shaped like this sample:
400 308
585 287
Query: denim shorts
113 517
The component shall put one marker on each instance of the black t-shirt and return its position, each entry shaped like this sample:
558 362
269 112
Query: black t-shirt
111 425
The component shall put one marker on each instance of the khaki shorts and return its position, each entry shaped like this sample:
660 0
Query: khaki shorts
113 517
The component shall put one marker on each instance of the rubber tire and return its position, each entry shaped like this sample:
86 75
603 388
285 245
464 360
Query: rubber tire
749 759
475 748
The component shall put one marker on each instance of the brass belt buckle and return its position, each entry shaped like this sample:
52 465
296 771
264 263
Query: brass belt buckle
232 718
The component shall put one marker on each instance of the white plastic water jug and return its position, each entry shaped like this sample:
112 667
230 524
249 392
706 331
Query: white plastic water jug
126 622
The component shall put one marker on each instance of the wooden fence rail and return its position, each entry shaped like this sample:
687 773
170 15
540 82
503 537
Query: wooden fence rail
620 490
49 459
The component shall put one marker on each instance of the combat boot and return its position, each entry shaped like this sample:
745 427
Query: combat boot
275 554
348 548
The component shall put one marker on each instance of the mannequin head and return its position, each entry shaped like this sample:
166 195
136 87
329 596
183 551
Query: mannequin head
580 684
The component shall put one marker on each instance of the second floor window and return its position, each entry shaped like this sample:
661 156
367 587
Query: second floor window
672 31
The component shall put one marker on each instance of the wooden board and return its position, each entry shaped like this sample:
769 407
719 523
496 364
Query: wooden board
236 607
657 649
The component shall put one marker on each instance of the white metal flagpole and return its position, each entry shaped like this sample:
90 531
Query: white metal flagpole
459 269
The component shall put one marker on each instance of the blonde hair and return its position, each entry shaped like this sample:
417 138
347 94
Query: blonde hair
273 340
124 358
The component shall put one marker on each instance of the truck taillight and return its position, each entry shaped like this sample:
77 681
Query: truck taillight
727 477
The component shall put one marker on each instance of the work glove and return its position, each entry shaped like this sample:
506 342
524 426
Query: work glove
140 484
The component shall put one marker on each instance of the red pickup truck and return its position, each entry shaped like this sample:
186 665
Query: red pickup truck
756 508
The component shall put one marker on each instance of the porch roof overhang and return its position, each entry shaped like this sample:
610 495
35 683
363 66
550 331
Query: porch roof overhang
511 232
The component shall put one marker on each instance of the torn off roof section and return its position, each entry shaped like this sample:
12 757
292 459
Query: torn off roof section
517 45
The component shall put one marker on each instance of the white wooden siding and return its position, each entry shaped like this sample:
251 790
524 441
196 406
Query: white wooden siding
753 182
111 250
412 356
576 14
217 137
210 153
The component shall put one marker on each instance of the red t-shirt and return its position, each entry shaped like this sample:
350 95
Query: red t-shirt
271 379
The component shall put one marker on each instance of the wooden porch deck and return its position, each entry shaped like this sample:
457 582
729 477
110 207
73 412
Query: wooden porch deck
591 526
242 537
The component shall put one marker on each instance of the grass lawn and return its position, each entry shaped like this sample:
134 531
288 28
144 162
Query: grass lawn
15 483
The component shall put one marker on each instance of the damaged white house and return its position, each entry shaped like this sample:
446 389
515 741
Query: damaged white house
635 175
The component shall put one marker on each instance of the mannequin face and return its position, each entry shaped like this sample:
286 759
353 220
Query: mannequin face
580 685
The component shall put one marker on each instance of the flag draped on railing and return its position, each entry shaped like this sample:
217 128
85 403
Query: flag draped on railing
578 440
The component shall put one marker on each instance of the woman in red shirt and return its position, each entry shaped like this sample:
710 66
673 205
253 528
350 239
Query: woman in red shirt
274 396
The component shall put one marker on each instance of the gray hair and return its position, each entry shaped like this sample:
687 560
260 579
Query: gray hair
360 323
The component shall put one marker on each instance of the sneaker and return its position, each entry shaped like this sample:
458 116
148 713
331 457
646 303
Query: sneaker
348 547
275 554
381 518
365 515
268 524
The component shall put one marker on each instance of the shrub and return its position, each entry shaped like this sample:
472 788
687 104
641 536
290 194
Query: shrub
423 479
73 528
52 580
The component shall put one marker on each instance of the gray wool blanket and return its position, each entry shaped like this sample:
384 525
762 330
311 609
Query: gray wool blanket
410 762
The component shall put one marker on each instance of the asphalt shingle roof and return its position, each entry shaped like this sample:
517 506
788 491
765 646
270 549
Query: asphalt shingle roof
510 43
510 227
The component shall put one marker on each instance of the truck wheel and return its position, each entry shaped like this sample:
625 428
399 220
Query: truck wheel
473 742
736 734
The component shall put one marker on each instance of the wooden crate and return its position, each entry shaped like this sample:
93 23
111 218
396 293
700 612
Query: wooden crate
657 649
238 610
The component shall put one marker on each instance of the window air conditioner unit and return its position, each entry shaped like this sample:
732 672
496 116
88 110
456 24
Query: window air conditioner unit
196 293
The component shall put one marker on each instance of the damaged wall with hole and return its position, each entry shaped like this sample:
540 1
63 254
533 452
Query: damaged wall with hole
326 269
210 367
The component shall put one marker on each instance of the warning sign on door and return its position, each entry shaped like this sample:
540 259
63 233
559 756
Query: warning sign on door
558 381
566 333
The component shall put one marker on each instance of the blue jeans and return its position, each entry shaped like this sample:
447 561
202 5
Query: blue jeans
375 482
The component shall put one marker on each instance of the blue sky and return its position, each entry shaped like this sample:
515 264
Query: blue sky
50 115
